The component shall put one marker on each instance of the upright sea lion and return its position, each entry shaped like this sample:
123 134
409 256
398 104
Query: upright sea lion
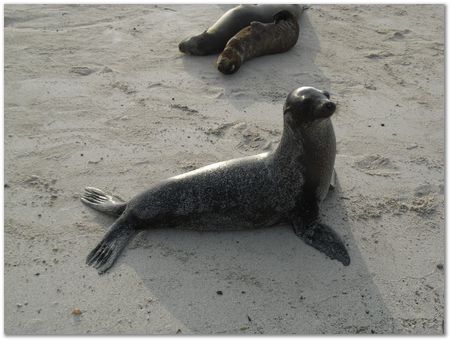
285 185
214 39
259 39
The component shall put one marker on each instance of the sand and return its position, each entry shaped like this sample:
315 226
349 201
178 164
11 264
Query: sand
101 96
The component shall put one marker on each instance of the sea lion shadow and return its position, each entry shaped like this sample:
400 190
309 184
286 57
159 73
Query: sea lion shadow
259 281
268 78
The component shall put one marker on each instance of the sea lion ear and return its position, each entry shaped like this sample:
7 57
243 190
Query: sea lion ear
286 108
256 26
282 15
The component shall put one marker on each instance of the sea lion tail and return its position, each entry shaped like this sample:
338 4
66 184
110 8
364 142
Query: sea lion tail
103 256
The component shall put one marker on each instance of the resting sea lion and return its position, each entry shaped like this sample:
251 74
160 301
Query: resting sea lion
282 186
214 39
259 39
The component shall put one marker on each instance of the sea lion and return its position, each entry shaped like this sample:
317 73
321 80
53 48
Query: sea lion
214 39
284 185
259 39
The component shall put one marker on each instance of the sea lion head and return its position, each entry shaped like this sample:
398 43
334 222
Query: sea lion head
196 45
308 104
229 61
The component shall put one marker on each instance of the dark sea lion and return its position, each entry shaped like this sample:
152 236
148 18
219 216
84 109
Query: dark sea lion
214 39
282 186
259 39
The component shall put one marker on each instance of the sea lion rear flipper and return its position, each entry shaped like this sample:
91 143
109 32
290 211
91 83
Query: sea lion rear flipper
324 239
103 256
100 201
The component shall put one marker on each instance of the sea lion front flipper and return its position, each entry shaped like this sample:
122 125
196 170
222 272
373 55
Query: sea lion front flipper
324 239
103 256
100 201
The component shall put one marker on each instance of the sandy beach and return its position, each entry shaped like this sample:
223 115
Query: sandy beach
99 95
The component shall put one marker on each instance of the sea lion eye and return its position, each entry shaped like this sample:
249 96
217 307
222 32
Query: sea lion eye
326 94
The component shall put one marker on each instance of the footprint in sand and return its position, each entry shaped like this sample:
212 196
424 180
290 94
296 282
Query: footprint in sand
379 55
125 88
81 70
398 35
106 69
250 137
45 189
376 165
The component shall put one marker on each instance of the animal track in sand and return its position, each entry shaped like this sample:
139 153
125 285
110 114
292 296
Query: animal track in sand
362 207
376 165
390 71
82 70
152 85
189 165
398 35
275 96
124 87
188 110
251 137
43 186
429 163
213 92
106 69
220 130
437 46
379 55
183 108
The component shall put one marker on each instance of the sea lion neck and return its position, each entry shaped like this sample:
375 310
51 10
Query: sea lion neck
298 140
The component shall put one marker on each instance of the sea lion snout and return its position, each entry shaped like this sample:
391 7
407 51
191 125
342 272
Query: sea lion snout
229 62
330 106
197 45
184 47
326 109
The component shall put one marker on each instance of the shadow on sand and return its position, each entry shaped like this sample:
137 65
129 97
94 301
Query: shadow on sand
262 281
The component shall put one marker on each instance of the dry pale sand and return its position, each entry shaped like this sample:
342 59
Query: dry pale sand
101 96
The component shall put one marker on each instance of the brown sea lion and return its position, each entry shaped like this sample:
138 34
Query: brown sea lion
259 39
